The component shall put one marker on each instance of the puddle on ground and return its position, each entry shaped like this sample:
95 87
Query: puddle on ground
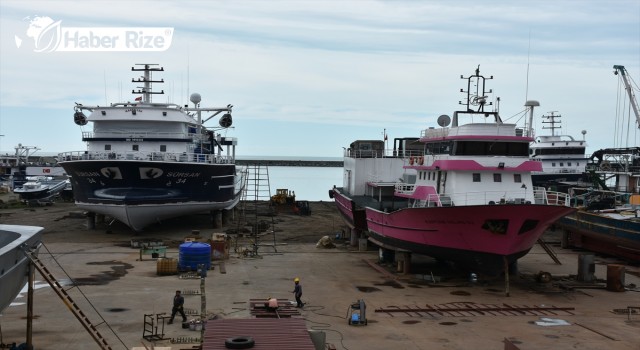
411 322
460 292
493 290
448 323
393 284
117 309
118 269
465 320
414 286
367 289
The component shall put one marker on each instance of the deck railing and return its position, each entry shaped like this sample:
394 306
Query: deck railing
540 196
150 156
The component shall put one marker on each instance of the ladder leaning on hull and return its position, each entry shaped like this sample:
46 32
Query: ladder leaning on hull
66 298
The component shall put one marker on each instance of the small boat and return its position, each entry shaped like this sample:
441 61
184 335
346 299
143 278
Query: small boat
148 161
461 193
40 188
562 156
14 264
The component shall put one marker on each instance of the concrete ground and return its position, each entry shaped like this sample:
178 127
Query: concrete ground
120 290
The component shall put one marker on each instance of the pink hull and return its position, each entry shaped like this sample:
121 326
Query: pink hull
502 230
353 215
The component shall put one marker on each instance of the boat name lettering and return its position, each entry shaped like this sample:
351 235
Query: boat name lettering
135 139
182 174
87 173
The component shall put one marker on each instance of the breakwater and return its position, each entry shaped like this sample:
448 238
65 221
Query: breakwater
298 163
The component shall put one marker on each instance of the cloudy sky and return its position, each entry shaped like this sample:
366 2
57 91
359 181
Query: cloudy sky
308 77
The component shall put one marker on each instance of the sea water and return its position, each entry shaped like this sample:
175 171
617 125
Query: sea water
308 183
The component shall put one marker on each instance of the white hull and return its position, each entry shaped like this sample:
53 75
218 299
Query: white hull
14 264
139 216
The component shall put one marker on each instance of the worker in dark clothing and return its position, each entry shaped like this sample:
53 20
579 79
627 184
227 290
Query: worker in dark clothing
178 306
297 292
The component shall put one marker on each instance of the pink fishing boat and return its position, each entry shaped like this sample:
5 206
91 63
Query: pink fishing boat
461 192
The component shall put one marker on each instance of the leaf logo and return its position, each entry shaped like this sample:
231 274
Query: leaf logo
49 38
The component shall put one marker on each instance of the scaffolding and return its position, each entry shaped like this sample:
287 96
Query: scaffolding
255 203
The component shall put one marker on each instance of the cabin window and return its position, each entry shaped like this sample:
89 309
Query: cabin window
476 177
568 163
497 177
517 178
107 147
163 148
561 164
134 147
553 164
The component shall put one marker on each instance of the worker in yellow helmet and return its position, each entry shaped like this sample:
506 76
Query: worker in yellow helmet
297 292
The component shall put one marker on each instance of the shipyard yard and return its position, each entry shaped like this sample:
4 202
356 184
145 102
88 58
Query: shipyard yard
121 289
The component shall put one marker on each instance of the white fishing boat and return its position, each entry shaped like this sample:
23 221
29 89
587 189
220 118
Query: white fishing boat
14 264
562 156
40 188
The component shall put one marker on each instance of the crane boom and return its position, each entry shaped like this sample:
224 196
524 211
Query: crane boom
632 98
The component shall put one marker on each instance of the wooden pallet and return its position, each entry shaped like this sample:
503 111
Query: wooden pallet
285 309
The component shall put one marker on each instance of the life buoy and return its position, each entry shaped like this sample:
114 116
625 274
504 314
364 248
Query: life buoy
411 160
421 160
605 166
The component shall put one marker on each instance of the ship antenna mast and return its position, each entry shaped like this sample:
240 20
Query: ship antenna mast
147 80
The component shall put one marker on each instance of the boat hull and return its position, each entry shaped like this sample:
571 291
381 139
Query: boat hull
477 237
353 215
140 193
13 261
603 234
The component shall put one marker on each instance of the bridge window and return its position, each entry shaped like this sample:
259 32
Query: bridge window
517 178
107 147
497 177
163 148
476 177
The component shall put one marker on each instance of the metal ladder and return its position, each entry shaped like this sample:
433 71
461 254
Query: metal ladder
256 201
62 293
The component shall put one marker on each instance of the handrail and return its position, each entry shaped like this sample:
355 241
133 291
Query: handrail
150 156
541 196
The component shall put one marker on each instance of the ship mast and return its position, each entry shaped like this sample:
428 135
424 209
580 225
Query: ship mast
146 90
551 119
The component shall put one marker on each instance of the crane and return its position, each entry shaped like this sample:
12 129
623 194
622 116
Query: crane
632 98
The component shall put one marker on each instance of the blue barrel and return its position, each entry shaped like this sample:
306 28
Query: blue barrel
192 254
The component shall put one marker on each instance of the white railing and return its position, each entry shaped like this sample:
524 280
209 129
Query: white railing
386 153
150 156
540 197
137 135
